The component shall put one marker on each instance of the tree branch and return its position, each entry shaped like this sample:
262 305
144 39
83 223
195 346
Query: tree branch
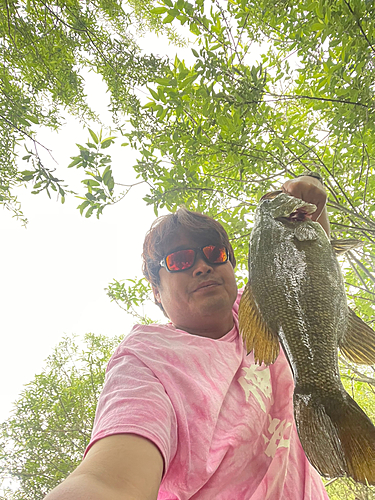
360 26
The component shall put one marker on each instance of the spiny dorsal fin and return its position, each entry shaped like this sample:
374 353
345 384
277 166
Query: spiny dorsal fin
358 343
255 331
342 246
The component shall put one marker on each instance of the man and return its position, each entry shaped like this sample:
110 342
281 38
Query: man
184 412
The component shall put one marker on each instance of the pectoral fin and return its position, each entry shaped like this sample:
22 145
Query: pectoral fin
358 343
342 246
305 232
255 331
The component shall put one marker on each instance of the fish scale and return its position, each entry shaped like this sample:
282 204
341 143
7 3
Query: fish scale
296 296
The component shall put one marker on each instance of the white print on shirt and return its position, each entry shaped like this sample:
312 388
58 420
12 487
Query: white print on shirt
277 430
257 381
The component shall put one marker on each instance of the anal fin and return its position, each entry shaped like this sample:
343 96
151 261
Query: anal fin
255 331
358 343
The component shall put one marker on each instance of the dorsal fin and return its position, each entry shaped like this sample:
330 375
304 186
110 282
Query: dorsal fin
342 246
358 343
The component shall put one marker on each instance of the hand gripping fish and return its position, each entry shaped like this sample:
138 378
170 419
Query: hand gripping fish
296 295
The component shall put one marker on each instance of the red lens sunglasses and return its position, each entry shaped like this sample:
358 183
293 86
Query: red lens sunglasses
181 260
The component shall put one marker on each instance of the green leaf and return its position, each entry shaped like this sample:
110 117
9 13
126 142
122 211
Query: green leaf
158 10
317 27
194 29
111 184
94 136
168 19
105 144
76 160
83 205
154 94
150 104
107 176
33 119
89 211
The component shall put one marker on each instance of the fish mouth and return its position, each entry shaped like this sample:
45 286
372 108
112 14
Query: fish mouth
284 207
300 214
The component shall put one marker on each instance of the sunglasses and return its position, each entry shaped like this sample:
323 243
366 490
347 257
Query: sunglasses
185 259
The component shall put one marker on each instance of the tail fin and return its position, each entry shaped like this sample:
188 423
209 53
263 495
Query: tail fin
336 435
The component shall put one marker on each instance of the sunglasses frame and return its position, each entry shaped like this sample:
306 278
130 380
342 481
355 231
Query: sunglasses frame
163 262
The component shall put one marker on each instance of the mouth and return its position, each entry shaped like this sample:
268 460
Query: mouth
299 215
286 208
206 285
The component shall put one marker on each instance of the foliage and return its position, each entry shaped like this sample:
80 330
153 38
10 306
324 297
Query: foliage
45 438
133 296
99 183
360 384
44 50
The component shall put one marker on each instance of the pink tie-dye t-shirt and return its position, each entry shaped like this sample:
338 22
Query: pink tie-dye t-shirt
224 425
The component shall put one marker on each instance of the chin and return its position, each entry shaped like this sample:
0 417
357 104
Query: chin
221 307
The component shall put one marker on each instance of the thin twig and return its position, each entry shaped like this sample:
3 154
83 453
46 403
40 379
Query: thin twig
360 288
346 210
355 228
360 26
357 273
364 268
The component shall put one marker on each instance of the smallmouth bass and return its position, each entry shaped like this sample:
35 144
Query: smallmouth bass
296 296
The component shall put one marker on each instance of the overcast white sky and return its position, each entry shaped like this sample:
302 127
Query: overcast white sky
54 272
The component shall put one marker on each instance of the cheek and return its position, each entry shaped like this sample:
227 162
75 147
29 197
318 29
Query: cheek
173 290
231 283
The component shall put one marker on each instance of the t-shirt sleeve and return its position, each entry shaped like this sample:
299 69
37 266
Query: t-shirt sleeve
134 401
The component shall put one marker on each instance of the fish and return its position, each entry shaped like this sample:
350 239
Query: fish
295 296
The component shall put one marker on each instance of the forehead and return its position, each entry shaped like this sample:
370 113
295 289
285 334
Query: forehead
184 239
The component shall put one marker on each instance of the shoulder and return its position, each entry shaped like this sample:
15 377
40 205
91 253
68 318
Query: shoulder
143 336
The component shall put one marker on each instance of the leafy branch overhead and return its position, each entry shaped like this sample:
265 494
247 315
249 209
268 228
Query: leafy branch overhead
44 50
99 183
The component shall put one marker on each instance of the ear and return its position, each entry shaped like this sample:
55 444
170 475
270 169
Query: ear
156 294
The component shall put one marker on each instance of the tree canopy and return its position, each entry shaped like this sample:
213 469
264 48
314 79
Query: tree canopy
274 88
45 438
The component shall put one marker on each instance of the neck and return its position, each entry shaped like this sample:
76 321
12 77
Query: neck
211 330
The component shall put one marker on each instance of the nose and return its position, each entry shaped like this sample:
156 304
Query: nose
201 267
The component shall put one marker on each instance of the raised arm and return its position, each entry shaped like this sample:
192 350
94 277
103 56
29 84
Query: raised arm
311 190
119 467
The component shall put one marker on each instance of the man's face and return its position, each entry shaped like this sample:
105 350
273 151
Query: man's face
200 299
